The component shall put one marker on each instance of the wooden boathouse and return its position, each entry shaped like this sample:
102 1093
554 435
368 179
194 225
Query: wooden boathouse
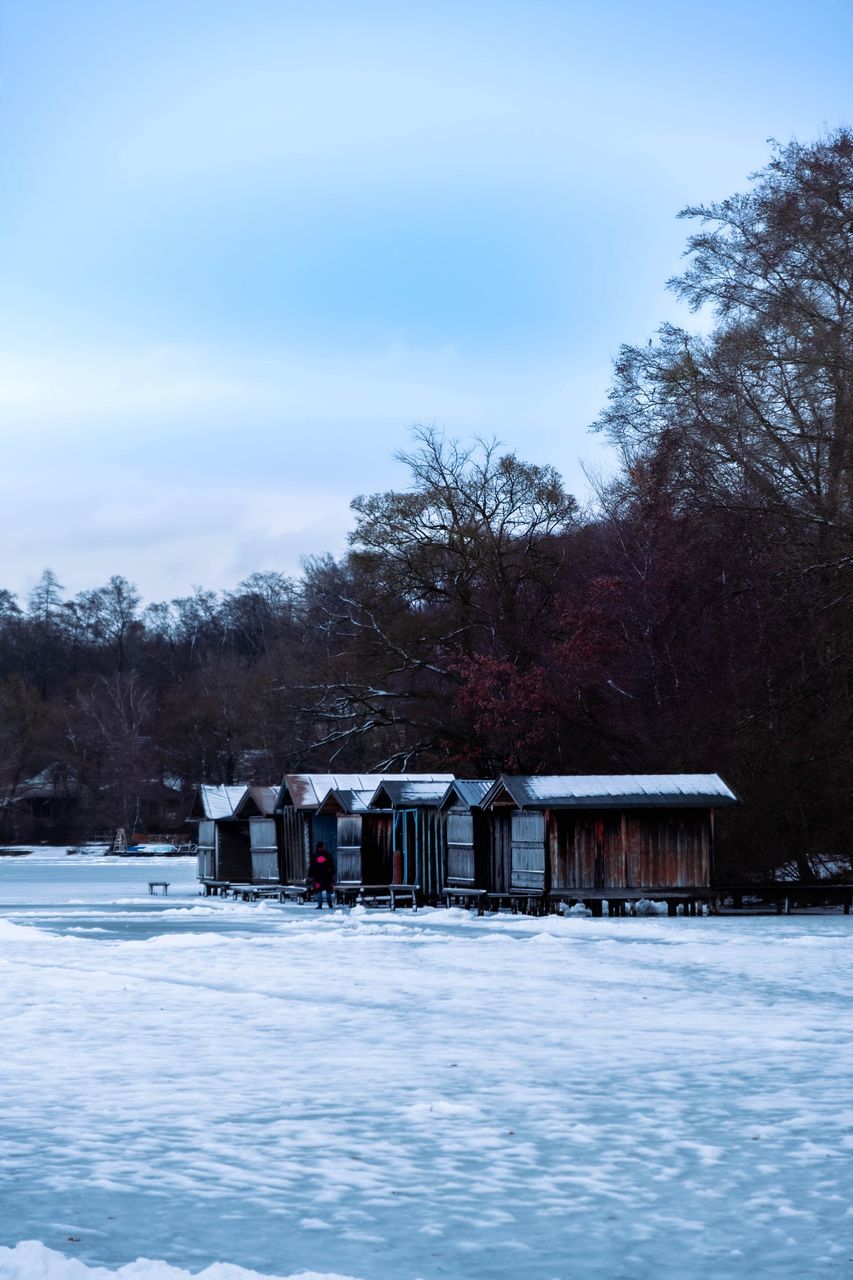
612 837
257 810
467 835
363 838
302 825
417 829
223 839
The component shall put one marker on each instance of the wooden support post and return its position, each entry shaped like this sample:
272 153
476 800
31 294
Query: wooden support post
671 907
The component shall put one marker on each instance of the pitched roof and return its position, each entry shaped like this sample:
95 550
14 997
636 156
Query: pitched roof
217 802
257 802
308 790
610 791
469 791
400 793
345 800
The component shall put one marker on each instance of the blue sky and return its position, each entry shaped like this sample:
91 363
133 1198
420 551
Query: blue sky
244 248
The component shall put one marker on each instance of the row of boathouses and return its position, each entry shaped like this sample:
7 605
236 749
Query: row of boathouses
529 840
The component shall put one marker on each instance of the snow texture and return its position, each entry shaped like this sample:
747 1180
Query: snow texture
308 790
638 788
223 1085
30 1260
220 802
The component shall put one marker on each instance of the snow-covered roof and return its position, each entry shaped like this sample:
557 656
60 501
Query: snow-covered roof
470 791
402 792
614 790
345 800
308 790
256 801
219 802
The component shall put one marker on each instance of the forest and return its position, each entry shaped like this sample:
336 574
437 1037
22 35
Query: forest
695 616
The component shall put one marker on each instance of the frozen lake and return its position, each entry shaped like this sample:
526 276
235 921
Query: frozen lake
393 1097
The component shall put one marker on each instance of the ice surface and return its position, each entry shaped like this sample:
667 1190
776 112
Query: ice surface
432 1095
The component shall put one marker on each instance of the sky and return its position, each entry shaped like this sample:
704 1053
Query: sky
245 248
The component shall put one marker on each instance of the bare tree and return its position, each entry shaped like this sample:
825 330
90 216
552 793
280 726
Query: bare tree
759 415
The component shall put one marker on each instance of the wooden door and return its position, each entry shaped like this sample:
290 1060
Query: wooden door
528 850
460 848
348 860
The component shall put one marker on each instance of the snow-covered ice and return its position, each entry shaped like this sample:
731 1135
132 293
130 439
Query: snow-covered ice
256 1088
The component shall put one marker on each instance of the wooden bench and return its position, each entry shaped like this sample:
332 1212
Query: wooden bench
374 895
158 884
466 898
267 892
257 892
292 893
404 893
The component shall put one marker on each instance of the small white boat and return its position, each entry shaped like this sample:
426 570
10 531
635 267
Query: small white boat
150 850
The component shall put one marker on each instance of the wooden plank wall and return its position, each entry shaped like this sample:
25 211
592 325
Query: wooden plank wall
500 851
460 847
264 850
349 837
206 850
639 849
293 859
419 835
528 850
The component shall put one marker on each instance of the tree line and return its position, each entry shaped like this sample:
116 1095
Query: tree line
696 618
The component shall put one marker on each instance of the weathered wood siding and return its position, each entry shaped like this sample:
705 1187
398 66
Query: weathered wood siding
206 850
419 835
468 848
500 851
528 850
349 836
633 849
294 846
300 832
459 834
264 850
